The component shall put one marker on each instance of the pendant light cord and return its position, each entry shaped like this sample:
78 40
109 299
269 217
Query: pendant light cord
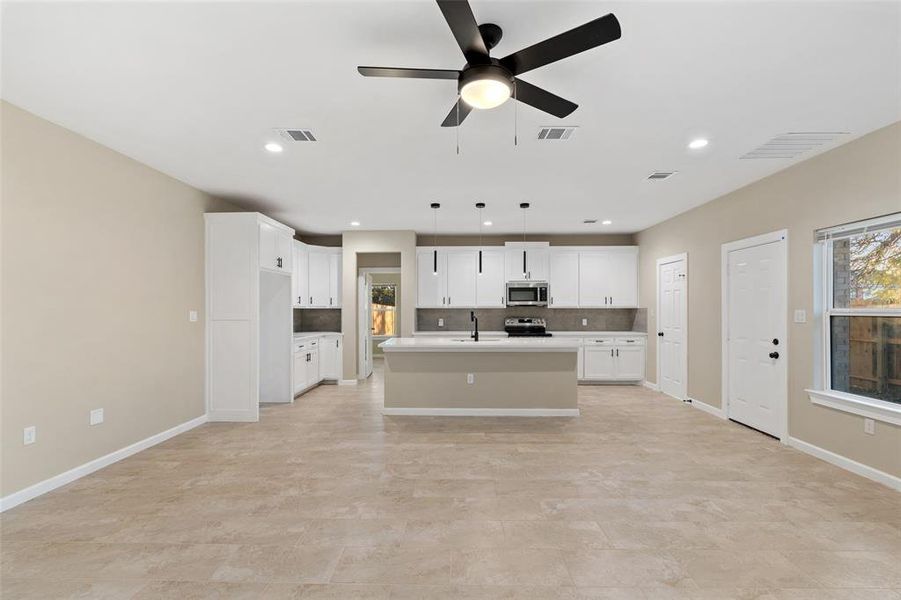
515 115
458 124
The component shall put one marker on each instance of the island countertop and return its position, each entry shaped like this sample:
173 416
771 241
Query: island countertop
485 344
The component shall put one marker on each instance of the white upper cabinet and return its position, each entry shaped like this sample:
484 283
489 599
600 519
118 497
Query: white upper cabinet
578 276
564 278
462 270
319 278
490 283
623 279
301 280
431 279
527 261
334 279
608 277
276 248
593 273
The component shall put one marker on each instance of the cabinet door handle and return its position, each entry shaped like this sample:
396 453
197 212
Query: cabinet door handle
617 351
443 299
611 299
299 300
448 300
605 300
552 299
330 301
278 262
311 299
611 351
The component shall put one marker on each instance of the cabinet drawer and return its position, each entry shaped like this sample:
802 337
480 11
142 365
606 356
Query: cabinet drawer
600 341
630 341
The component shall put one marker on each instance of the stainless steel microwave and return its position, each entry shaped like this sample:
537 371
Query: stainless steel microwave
527 293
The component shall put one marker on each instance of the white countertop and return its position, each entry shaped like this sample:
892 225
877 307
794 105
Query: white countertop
486 343
554 333
299 335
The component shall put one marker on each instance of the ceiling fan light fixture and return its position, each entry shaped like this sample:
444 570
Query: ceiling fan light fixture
486 86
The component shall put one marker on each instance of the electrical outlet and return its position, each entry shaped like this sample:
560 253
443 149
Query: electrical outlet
869 426
440 322
96 416
192 316
800 315
470 378
584 322
30 435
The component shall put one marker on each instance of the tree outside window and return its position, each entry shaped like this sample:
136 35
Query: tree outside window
384 309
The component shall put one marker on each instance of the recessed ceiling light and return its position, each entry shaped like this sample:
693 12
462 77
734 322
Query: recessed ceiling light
487 223
354 223
273 147
697 144
607 222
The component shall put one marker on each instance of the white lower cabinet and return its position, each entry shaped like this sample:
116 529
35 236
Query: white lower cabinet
316 359
613 359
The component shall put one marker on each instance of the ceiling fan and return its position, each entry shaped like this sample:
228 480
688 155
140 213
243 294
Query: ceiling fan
486 82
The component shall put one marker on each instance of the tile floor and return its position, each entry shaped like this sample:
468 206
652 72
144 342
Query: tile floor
641 497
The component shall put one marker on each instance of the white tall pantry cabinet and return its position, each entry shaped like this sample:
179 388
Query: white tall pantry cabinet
249 321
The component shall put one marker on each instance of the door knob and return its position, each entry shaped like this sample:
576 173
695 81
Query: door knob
659 334
774 355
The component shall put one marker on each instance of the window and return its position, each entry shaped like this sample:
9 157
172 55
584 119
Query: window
384 309
862 309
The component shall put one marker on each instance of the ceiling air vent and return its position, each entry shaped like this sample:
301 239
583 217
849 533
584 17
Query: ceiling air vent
556 133
793 144
589 221
656 175
297 135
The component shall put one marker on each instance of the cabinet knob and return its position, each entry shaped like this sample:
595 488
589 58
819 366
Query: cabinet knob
659 334
774 355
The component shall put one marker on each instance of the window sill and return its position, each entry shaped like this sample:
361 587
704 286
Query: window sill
878 410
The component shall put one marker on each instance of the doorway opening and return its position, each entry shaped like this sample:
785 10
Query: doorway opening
379 298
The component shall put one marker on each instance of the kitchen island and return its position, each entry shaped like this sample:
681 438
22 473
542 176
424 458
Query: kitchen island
495 376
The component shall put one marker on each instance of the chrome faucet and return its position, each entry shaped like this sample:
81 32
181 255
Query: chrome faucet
475 329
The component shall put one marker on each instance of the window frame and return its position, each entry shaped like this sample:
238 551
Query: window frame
825 395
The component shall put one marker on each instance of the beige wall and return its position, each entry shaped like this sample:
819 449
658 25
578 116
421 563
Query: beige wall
102 258
359 242
855 181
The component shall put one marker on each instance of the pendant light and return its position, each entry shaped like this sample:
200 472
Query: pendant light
480 206
524 206
435 206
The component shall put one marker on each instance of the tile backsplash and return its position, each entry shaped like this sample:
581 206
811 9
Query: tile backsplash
317 319
558 319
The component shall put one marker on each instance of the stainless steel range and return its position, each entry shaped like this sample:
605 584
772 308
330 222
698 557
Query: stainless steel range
526 327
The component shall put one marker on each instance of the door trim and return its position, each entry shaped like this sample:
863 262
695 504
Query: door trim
757 240
660 262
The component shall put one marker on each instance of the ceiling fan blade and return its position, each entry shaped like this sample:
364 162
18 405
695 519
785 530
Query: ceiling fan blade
543 100
462 23
584 37
409 73
451 120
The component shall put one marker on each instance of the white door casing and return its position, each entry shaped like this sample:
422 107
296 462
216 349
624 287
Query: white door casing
364 321
672 317
755 348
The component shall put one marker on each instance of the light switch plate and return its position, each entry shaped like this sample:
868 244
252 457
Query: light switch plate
192 316
29 435
869 426
470 378
97 416
800 315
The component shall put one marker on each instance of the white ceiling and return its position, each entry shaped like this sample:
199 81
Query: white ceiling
194 90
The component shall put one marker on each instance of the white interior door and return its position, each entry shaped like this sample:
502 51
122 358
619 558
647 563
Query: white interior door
364 321
755 313
672 313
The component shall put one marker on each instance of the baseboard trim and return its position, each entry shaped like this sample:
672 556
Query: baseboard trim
651 385
482 412
716 412
48 485
347 382
847 463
